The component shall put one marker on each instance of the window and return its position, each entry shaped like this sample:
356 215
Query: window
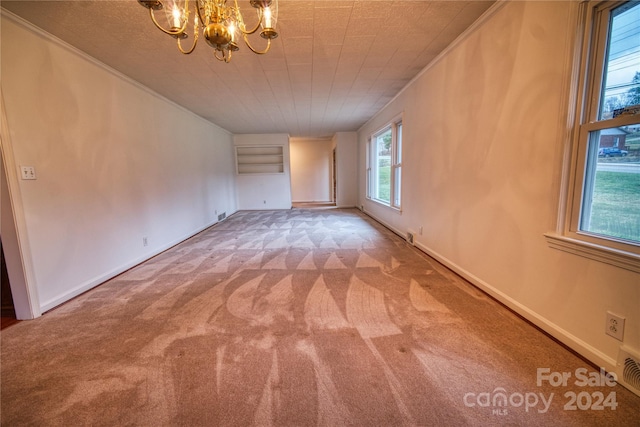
384 168
602 218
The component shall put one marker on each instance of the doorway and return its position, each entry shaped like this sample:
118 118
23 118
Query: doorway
334 177
312 174
7 309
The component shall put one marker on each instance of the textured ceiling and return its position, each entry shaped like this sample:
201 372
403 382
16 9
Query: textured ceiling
334 65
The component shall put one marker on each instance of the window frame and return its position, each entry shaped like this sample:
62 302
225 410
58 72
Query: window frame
395 185
584 104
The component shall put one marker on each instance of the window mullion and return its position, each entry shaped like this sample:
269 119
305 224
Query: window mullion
619 121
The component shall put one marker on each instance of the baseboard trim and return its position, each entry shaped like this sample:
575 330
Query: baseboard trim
385 224
96 281
584 349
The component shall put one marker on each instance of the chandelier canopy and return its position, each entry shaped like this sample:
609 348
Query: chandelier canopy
221 23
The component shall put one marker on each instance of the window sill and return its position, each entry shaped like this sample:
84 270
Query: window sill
607 255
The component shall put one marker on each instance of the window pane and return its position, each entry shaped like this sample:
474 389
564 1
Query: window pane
368 176
399 143
383 166
611 199
396 186
621 85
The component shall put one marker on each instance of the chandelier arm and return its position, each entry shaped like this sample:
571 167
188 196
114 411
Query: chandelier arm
215 54
171 33
241 21
195 41
259 52
202 21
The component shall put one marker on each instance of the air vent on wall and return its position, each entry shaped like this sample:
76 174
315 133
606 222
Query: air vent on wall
629 370
410 237
222 216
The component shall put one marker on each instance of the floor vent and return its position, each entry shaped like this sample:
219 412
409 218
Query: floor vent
222 216
629 365
410 237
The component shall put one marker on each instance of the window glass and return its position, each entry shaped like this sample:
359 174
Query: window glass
621 81
399 143
397 166
397 183
611 200
383 166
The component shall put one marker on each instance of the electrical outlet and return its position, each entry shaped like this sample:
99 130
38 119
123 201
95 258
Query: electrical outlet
145 242
615 326
420 231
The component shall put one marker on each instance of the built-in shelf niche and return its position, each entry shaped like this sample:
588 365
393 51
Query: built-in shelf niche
259 159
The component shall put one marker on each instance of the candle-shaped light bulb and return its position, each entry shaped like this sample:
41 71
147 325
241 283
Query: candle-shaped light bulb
176 16
232 31
267 17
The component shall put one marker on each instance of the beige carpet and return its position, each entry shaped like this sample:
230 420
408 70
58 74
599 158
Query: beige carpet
292 318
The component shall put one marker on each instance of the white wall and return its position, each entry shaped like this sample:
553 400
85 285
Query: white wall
264 191
114 163
311 167
484 132
346 145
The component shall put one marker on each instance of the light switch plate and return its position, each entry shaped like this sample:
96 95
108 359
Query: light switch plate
28 172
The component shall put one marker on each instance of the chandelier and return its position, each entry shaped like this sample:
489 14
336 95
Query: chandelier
221 23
